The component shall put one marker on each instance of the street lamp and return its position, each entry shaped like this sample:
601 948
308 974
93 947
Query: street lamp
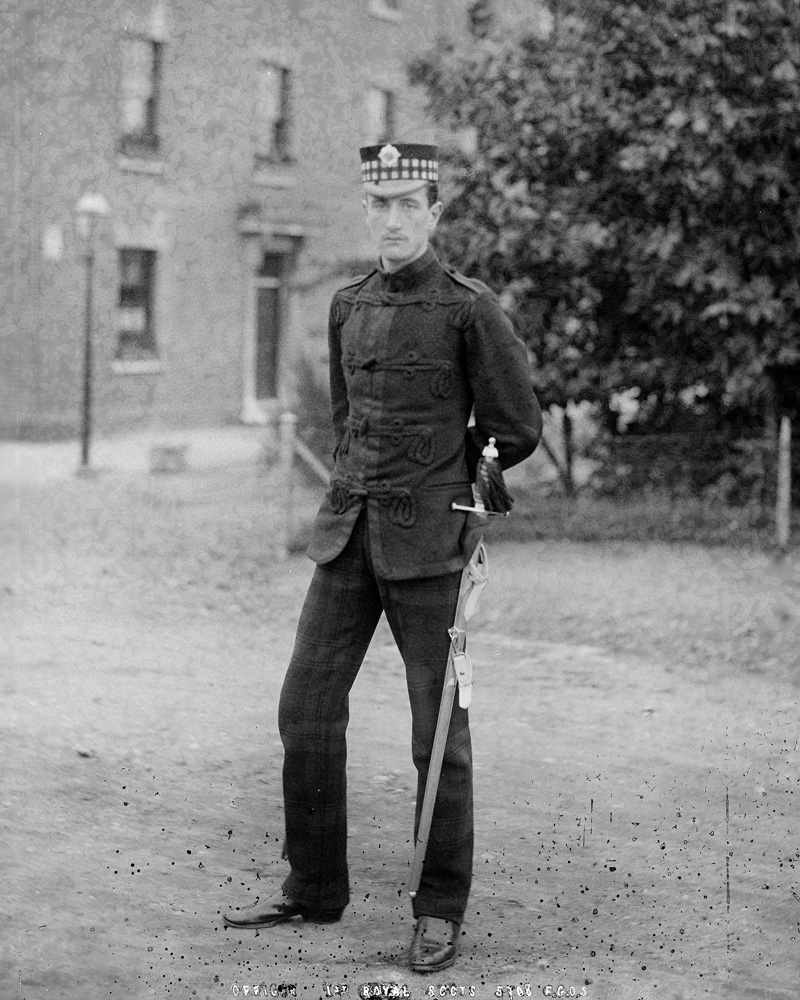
91 207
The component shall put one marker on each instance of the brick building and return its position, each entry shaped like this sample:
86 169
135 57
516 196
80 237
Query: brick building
223 135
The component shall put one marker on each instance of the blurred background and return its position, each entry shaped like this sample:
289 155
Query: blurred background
181 197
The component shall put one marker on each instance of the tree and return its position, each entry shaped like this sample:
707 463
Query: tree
634 187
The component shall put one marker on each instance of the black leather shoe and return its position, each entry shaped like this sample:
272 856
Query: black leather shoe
278 910
435 944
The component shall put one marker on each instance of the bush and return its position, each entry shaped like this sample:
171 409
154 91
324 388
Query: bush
735 471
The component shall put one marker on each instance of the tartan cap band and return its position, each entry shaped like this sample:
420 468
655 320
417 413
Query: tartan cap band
407 161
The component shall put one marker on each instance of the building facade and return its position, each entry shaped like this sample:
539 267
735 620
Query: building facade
223 135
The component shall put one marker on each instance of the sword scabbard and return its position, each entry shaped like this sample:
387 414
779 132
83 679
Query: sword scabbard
458 674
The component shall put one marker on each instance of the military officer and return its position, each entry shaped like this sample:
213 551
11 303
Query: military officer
415 350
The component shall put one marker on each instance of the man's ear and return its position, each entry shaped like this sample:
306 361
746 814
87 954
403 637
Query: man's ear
436 214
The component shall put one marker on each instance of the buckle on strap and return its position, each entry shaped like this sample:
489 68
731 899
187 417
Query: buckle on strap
462 665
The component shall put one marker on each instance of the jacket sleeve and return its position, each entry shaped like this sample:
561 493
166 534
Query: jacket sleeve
339 401
505 406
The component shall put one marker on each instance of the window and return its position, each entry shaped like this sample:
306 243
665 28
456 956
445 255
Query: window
380 115
480 15
273 114
136 339
141 71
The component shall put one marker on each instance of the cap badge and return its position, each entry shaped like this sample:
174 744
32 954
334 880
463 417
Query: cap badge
389 156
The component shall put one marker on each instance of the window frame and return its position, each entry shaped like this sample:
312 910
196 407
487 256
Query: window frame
146 144
389 113
282 145
133 297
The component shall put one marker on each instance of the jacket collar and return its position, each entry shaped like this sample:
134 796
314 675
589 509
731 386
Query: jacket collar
410 275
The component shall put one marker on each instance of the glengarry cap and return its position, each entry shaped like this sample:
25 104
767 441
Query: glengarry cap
398 168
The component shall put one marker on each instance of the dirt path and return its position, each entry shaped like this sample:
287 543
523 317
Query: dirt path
636 746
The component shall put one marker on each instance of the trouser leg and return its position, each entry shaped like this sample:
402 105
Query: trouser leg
336 624
420 613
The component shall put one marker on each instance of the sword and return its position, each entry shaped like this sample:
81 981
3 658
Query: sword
458 674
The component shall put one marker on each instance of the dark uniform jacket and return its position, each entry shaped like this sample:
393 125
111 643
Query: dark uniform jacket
412 354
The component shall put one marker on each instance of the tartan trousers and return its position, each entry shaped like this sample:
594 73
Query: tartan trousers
339 617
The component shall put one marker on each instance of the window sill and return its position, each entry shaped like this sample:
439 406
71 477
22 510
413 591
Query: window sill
384 13
140 165
275 175
143 366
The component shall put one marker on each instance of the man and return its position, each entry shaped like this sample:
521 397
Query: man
415 349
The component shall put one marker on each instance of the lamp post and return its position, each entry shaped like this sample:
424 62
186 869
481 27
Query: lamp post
91 207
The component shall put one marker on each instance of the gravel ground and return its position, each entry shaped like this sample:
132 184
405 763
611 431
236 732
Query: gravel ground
636 746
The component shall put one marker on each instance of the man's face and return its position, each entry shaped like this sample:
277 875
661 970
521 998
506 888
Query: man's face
401 226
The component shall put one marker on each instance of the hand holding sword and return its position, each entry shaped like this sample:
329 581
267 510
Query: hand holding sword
491 494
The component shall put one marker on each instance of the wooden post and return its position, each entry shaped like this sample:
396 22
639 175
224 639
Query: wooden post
287 427
783 513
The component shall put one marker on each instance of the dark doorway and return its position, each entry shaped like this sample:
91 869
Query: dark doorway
269 322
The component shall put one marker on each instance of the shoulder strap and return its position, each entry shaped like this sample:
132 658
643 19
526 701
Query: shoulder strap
359 279
471 283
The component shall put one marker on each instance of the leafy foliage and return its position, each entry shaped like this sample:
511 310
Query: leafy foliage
633 184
